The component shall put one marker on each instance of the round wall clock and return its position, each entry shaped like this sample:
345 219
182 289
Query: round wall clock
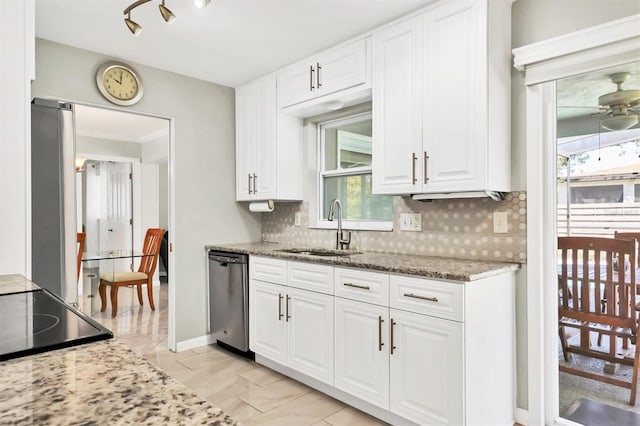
119 83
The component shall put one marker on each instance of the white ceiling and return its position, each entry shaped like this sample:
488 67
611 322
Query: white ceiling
230 42
117 125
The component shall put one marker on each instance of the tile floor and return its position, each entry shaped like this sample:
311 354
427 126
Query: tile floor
251 393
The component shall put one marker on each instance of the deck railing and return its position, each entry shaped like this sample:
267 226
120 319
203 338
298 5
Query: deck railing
598 220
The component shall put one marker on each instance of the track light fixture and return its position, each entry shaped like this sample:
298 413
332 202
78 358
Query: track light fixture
167 15
136 28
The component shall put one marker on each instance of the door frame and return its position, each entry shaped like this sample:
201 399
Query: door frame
602 46
171 338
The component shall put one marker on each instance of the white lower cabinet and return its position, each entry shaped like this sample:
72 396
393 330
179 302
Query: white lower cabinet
426 369
310 333
267 332
406 349
362 354
291 326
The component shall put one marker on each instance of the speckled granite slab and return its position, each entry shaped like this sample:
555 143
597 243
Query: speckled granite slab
15 284
101 383
425 266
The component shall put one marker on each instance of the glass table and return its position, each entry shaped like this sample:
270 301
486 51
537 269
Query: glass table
100 262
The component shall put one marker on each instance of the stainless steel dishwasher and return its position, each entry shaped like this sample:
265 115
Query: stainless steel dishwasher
229 299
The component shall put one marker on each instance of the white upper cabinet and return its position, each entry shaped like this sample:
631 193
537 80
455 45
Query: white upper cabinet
268 145
328 72
455 138
397 105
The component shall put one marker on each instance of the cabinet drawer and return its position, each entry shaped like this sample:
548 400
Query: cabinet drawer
311 276
430 297
364 286
268 269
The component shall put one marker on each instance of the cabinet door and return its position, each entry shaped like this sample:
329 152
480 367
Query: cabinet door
342 68
362 350
246 135
256 140
267 332
297 84
310 334
454 140
397 108
427 369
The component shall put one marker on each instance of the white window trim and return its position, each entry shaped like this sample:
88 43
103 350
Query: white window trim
353 225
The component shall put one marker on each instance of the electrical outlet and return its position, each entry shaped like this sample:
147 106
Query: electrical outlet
500 225
297 219
410 222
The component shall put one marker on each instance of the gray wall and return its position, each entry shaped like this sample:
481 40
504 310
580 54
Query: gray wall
533 21
205 207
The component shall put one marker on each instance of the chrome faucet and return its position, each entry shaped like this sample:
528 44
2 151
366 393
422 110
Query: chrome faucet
342 243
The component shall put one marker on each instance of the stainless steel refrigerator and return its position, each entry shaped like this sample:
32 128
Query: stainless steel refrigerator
53 199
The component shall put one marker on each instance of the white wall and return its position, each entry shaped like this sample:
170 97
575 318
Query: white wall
205 207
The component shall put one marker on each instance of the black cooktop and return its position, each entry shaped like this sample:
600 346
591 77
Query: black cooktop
38 321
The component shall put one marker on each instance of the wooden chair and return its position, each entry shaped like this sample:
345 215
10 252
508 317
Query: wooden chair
144 275
595 298
630 236
81 237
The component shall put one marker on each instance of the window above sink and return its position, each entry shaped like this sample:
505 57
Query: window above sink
344 173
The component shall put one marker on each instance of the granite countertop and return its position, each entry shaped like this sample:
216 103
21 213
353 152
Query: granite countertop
16 284
425 266
102 383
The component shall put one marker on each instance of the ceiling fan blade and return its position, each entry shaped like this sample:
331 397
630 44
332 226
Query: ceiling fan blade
583 107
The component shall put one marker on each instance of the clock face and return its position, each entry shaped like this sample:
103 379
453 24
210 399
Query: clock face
119 84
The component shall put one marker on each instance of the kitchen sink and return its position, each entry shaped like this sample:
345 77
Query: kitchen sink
320 252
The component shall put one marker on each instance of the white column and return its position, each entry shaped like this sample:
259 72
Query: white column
17 69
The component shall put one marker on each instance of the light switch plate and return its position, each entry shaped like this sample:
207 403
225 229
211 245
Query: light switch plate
297 219
500 224
411 222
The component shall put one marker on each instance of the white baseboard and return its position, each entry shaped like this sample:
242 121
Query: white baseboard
196 342
522 416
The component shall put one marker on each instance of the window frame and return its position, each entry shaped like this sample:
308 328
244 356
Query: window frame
321 173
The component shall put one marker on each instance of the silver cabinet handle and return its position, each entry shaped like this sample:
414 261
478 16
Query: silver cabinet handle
255 183
287 308
380 344
392 345
249 183
413 166
426 175
364 287
415 296
318 78
280 307
311 71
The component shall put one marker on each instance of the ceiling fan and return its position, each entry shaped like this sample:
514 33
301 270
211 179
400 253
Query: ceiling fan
620 109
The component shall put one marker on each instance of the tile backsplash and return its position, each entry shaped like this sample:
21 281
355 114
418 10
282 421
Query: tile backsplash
461 228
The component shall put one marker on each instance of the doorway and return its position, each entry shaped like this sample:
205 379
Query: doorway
107 207
598 195
123 188
603 46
